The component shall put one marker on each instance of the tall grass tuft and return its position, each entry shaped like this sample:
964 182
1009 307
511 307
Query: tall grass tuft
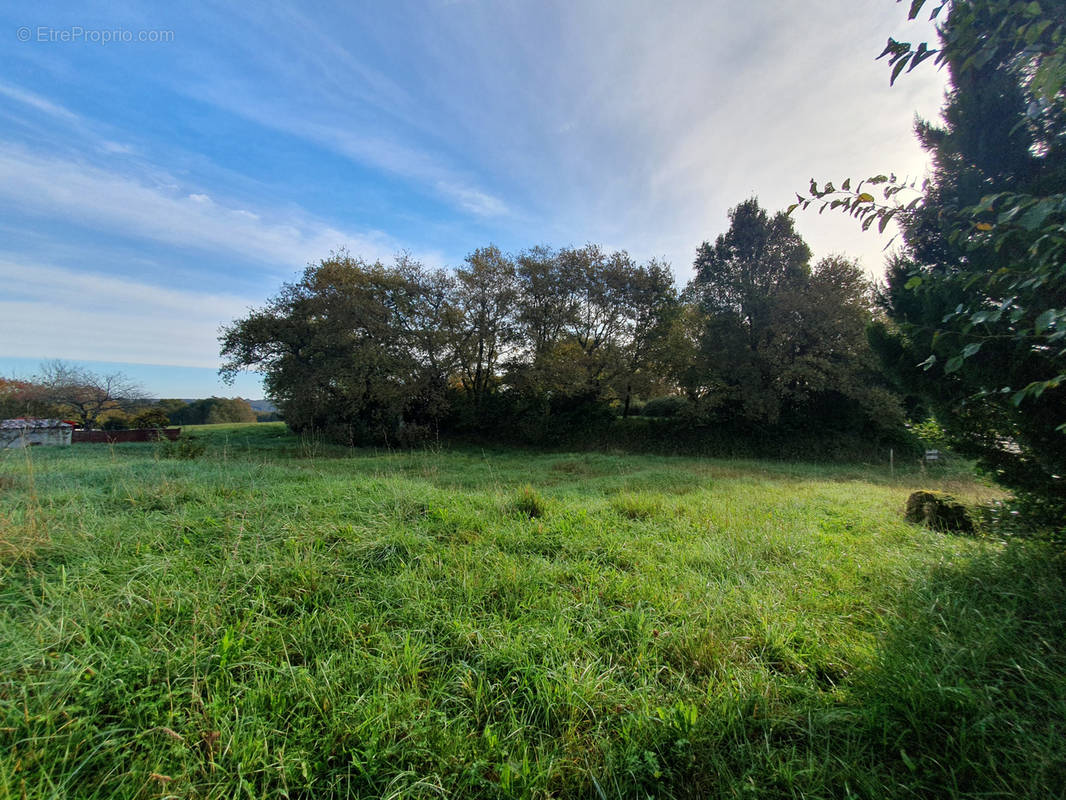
637 505
529 503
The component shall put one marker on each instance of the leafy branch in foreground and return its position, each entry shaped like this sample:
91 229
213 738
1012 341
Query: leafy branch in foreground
981 32
977 290
1029 229
1030 226
861 204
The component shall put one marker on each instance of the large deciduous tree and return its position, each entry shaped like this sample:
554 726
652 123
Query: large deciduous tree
738 285
591 324
342 350
748 264
429 318
547 301
85 395
653 307
21 398
770 337
486 293
207 411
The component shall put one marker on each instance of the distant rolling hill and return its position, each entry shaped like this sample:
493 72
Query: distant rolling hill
257 405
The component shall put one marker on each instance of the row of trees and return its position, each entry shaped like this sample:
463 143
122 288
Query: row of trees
364 350
94 400
207 411
68 391
545 341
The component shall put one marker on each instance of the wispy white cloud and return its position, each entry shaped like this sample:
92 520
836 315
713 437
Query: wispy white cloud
303 74
116 148
37 102
109 318
474 201
163 212
85 129
390 155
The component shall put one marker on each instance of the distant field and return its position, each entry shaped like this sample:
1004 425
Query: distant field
283 618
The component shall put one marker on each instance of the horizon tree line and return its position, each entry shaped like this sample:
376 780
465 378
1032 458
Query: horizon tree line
545 341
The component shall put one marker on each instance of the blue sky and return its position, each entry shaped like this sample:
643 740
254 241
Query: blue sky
151 191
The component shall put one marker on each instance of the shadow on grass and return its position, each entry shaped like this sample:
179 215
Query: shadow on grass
968 696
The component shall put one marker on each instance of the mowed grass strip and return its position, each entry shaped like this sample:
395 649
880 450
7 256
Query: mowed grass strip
280 617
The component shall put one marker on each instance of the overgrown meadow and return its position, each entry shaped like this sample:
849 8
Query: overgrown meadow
279 618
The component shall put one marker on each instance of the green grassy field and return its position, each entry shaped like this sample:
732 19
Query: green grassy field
279 618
